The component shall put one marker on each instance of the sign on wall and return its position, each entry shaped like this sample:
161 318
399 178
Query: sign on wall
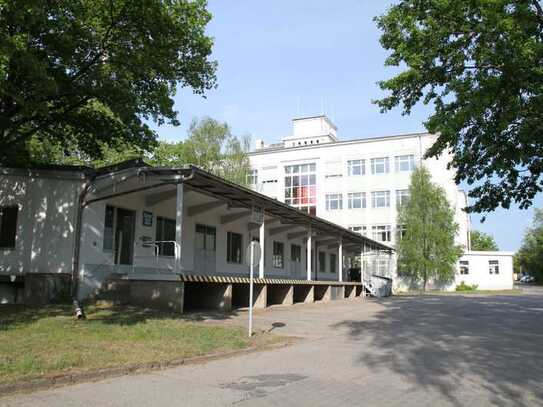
147 219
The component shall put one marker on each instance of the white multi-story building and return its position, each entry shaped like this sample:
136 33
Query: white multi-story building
358 183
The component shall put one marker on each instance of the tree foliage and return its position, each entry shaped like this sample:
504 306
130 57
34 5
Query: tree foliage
211 146
87 75
427 250
530 255
480 63
482 241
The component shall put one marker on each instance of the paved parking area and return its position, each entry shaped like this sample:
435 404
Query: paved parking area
402 351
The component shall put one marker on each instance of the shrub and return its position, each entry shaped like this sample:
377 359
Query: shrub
466 287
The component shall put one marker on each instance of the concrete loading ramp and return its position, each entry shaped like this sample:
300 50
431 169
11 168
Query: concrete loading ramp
192 293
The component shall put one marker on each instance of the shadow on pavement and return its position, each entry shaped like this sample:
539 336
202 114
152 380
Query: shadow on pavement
440 342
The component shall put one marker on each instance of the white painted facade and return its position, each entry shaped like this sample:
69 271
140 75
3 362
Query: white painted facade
376 170
48 204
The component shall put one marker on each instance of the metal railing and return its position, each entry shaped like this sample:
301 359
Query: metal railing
156 257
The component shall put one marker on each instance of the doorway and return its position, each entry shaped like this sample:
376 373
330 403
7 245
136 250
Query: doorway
205 249
124 236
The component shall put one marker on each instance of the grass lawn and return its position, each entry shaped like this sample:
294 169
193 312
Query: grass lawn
41 342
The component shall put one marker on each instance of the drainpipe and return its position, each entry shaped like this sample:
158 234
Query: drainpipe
78 308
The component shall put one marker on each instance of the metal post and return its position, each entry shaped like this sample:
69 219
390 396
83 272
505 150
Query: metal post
262 239
309 244
178 227
362 268
251 289
340 260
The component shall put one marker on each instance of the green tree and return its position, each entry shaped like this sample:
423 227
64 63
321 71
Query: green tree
427 251
480 63
482 241
211 146
86 75
529 258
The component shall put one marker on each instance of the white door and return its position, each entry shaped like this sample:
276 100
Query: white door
205 250
296 261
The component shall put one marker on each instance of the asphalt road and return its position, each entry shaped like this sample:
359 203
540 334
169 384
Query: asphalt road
402 351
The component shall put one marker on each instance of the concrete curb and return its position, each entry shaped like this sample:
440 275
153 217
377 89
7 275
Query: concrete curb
137 368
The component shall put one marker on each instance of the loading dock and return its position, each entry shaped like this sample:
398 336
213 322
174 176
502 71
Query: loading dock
240 295
304 293
280 294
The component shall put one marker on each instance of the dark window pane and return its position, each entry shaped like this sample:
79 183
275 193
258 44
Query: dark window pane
108 227
8 227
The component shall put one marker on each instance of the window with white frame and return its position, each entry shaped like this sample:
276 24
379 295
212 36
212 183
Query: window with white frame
400 232
381 233
380 199
358 229
322 262
234 247
334 202
494 267
464 267
301 187
278 255
252 177
380 165
295 253
404 163
402 195
356 167
356 200
333 262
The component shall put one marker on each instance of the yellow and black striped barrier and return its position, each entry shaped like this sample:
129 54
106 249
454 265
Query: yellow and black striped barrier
192 278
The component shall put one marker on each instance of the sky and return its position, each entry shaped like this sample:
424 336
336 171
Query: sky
284 59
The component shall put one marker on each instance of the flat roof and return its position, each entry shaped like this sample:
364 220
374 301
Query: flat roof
282 148
201 180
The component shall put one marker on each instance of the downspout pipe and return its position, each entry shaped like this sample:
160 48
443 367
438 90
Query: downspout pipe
78 308
81 204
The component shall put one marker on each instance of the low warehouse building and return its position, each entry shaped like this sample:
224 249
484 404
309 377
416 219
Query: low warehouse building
165 237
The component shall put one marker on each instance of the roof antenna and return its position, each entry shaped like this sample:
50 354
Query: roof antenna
322 106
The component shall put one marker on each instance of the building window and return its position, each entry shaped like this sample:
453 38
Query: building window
356 200
233 247
334 202
358 229
464 267
206 238
333 262
296 253
402 195
278 255
322 262
165 232
400 232
356 167
301 187
381 233
494 267
8 226
252 177
380 165
404 163
109 222
380 199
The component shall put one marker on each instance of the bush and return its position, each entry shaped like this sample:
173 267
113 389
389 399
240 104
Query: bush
466 287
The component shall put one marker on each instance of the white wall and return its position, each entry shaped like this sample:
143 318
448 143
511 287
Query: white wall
96 263
45 221
479 270
332 177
